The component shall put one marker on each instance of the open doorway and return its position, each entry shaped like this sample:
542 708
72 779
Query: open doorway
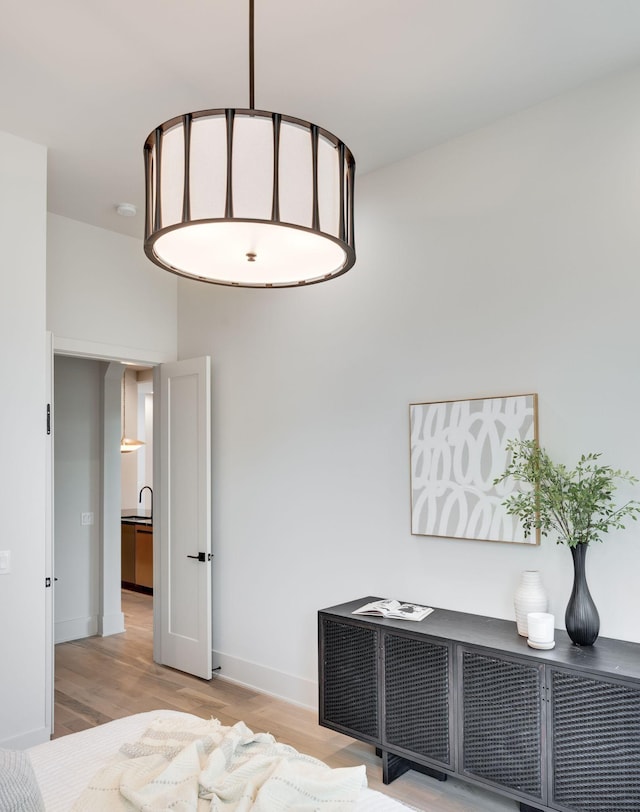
94 486
88 501
137 519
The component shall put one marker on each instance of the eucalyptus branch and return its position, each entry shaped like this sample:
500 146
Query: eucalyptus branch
577 505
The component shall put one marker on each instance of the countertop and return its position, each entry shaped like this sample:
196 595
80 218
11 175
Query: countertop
136 516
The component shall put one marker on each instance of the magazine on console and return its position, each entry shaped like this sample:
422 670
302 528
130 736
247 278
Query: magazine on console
394 609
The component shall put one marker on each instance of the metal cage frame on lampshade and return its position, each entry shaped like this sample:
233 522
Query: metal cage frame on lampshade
249 198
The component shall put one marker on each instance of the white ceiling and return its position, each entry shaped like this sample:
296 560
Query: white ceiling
91 79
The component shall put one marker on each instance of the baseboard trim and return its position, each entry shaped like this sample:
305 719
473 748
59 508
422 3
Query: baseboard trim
111 624
258 677
28 739
75 629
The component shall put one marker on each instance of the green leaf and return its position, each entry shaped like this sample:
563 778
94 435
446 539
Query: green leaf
577 505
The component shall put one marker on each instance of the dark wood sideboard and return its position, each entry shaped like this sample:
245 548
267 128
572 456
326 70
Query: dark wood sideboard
465 695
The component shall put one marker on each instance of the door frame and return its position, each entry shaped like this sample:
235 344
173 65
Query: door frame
49 706
99 352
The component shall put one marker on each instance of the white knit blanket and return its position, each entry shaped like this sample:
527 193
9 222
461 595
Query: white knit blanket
193 764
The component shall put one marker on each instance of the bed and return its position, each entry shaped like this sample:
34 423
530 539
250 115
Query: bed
73 771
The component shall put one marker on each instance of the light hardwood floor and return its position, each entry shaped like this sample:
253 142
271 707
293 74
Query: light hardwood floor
103 678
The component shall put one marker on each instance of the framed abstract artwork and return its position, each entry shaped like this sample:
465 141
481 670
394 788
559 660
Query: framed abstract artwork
458 448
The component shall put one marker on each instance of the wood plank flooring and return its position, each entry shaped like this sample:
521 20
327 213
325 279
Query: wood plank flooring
103 678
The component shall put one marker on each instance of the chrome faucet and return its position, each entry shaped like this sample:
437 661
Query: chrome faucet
150 489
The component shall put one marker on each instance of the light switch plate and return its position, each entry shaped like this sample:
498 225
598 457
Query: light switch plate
5 561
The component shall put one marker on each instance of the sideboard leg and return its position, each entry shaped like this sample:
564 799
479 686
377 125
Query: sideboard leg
394 766
437 774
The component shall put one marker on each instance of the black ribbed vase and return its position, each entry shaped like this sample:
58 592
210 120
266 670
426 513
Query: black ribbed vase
581 618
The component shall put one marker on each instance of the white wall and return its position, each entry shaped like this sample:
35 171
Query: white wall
78 465
105 298
145 432
137 466
145 463
504 262
23 173
87 463
129 462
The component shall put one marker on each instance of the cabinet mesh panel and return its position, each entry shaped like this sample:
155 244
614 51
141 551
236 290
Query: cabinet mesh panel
501 723
417 696
350 689
596 744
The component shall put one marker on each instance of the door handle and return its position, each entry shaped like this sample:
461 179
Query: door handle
202 557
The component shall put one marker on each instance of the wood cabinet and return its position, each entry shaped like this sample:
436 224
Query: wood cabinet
128 554
137 557
464 694
144 556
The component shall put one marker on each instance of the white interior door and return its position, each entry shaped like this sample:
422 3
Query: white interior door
48 536
184 551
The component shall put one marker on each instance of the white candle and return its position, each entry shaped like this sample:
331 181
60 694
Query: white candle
540 627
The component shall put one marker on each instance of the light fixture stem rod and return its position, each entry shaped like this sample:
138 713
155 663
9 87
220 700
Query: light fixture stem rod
252 105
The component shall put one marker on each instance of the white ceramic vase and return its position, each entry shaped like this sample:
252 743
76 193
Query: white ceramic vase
530 597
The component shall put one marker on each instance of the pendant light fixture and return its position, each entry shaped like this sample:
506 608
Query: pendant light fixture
249 198
127 444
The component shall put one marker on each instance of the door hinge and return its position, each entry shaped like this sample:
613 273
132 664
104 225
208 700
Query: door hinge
48 418
47 582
